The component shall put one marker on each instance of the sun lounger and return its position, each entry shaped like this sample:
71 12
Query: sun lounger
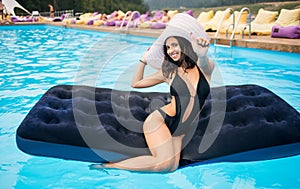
263 23
154 22
228 23
21 19
288 17
212 25
205 16
292 32
145 17
287 25
172 13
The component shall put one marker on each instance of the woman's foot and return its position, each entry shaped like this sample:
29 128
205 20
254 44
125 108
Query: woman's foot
101 166
97 166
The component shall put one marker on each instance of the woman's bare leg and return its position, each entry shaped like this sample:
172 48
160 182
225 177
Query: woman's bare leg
163 156
177 143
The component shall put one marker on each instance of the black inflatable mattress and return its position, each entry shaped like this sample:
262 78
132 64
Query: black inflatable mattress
99 125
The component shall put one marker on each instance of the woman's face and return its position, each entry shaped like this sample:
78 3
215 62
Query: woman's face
173 48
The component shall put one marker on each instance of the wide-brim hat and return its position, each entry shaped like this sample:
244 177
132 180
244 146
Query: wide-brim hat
181 25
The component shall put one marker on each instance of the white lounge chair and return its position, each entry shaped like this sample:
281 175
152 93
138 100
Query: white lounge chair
35 16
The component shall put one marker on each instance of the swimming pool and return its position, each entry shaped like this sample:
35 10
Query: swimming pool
35 58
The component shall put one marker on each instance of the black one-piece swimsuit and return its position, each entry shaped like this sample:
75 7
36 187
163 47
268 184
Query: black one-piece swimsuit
182 94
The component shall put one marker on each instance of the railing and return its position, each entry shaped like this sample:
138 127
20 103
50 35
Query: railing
220 26
130 19
244 26
234 25
248 22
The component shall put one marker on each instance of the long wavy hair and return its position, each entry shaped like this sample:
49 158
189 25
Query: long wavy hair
188 58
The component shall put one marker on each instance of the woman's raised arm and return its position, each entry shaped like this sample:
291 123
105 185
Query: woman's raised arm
139 81
201 45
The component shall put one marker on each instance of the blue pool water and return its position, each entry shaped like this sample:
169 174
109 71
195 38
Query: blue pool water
35 58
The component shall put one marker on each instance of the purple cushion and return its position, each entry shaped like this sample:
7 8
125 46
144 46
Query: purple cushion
135 16
91 22
292 32
110 23
157 15
63 16
119 22
14 19
190 12
158 25
145 17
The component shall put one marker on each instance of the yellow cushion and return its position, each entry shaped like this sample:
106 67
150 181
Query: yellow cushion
98 16
218 16
98 22
214 22
288 17
172 13
79 21
146 24
68 20
205 16
265 16
260 29
243 19
121 14
85 16
227 24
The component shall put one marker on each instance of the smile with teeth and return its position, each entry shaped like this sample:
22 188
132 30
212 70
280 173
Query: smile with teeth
174 55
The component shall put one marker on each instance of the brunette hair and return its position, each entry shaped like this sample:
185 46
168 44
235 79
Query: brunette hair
187 60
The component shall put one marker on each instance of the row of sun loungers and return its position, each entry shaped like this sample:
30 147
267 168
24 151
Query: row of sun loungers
264 23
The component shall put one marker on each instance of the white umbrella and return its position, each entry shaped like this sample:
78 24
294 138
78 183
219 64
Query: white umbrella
11 4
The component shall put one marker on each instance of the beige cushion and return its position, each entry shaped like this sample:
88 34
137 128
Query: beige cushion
205 16
265 16
85 16
214 22
288 17
172 13
243 18
218 16
227 24
121 14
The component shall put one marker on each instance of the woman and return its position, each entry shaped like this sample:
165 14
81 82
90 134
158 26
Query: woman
51 10
164 129
2 7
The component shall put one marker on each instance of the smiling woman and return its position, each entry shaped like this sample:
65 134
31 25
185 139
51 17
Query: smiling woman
164 129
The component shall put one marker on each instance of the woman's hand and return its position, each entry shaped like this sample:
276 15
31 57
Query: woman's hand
200 45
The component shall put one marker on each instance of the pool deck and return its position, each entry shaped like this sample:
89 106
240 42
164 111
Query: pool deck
262 42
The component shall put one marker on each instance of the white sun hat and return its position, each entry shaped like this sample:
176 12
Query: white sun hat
181 25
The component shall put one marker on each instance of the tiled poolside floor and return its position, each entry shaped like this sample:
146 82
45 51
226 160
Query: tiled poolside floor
262 42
